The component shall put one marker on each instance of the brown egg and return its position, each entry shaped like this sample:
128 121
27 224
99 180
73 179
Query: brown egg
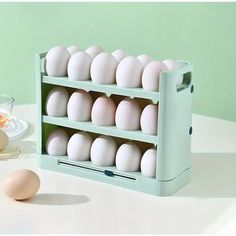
21 184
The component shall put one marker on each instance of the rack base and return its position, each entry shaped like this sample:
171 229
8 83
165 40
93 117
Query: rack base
111 175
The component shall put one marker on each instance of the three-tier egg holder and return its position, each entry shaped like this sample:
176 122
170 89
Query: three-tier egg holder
173 139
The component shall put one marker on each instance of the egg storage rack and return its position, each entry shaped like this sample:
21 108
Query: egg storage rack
173 139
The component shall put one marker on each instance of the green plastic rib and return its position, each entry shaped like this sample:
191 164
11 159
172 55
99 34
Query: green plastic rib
106 130
107 89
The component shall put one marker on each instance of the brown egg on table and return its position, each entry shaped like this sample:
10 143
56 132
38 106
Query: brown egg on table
21 184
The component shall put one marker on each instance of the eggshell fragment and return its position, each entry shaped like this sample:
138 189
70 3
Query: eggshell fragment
4 140
119 54
145 59
128 157
79 106
78 148
21 184
56 144
103 111
128 115
79 66
103 151
129 72
151 75
149 118
148 163
56 102
103 69
73 49
174 65
93 51
56 61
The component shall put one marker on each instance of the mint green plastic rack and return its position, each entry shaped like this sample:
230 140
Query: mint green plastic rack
173 140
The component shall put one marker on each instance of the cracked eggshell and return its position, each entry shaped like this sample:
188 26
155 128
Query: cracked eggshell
4 140
79 106
129 73
128 157
174 65
79 66
93 51
148 163
103 111
119 54
56 144
103 151
145 59
128 114
151 75
149 118
56 102
103 69
73 49
56 62
78 148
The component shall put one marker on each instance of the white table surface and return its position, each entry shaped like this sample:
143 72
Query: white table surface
68 204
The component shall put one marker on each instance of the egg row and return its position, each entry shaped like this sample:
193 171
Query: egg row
103 151
104 68
80 107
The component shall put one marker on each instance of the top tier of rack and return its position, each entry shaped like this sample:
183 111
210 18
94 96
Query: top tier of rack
110 89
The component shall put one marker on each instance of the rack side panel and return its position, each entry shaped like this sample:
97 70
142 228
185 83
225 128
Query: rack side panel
39 102
174 127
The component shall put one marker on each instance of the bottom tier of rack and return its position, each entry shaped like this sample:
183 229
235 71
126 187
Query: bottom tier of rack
110 175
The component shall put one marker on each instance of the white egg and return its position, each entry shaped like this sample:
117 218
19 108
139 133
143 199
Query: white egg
119 54
56 102
79 106
128 115
93 51
145 59
79 66
149 118
56 144
129 72
174 65
103 151
128 157
78 148
73 49
103 69
148 163
151 75
103 111
4 140
56 61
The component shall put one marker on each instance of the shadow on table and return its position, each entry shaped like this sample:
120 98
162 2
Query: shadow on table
213 175
57 199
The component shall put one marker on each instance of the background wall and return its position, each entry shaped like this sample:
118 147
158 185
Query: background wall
203 33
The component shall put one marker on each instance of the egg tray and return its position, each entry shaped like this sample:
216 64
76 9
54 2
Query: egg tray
173 165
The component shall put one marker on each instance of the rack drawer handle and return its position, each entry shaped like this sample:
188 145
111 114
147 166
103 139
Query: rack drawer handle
108 173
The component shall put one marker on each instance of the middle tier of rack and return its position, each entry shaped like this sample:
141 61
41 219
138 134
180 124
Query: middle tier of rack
108 89
88 126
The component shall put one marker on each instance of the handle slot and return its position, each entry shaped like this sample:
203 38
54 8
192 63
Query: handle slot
187 77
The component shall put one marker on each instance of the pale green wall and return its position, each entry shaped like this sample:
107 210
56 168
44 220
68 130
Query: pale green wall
203 33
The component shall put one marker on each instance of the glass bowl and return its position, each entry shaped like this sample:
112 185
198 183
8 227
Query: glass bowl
6 107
